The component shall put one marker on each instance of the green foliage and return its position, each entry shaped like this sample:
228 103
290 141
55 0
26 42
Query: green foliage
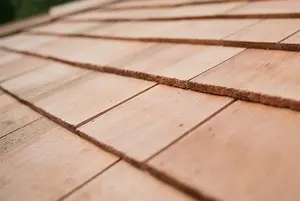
7 11
19 9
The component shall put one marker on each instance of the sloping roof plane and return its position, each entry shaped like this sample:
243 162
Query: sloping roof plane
153 100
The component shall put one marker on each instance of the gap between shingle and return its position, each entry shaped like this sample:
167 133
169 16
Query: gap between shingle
191 130
87 181
110 108
188 190
189 85
21 127
199 17
222 42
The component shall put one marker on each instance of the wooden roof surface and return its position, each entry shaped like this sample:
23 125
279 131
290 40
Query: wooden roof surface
153 100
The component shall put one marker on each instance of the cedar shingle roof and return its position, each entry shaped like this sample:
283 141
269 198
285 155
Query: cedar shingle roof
153 100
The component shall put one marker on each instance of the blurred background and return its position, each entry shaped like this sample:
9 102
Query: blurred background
11 10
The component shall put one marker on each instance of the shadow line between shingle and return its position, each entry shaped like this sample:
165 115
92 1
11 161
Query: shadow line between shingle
221 42
244 95
173 182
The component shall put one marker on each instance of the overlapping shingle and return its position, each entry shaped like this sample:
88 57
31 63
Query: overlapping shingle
152 120
14 115
202 146
247 152
50 167
270 72
17 67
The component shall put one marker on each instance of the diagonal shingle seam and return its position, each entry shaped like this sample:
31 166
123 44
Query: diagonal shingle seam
191 130
88 181
244 95
169 180
3 136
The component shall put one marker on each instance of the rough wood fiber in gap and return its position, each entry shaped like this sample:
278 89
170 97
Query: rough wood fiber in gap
182 188
268 7
14 115
143 14
35 84
26 134
50 166
293 42
173 40
247 152
20 66
66 28
90 96
265 31
274 73
195 86
178 61
122 182
169 181
152 120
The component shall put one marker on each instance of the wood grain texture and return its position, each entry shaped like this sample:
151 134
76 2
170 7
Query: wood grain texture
267 31
90 96
136 29
153 4
36 83
123 182
25 135
152 120
14 115
50 167
25 42
20 66
6 57
178 61
97 52
268 7
292 42
21 25
267 72
77 6
247 152
65 28
195 29
144 14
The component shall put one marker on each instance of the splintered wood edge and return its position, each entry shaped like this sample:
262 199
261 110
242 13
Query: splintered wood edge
142 165
217 42
244 95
